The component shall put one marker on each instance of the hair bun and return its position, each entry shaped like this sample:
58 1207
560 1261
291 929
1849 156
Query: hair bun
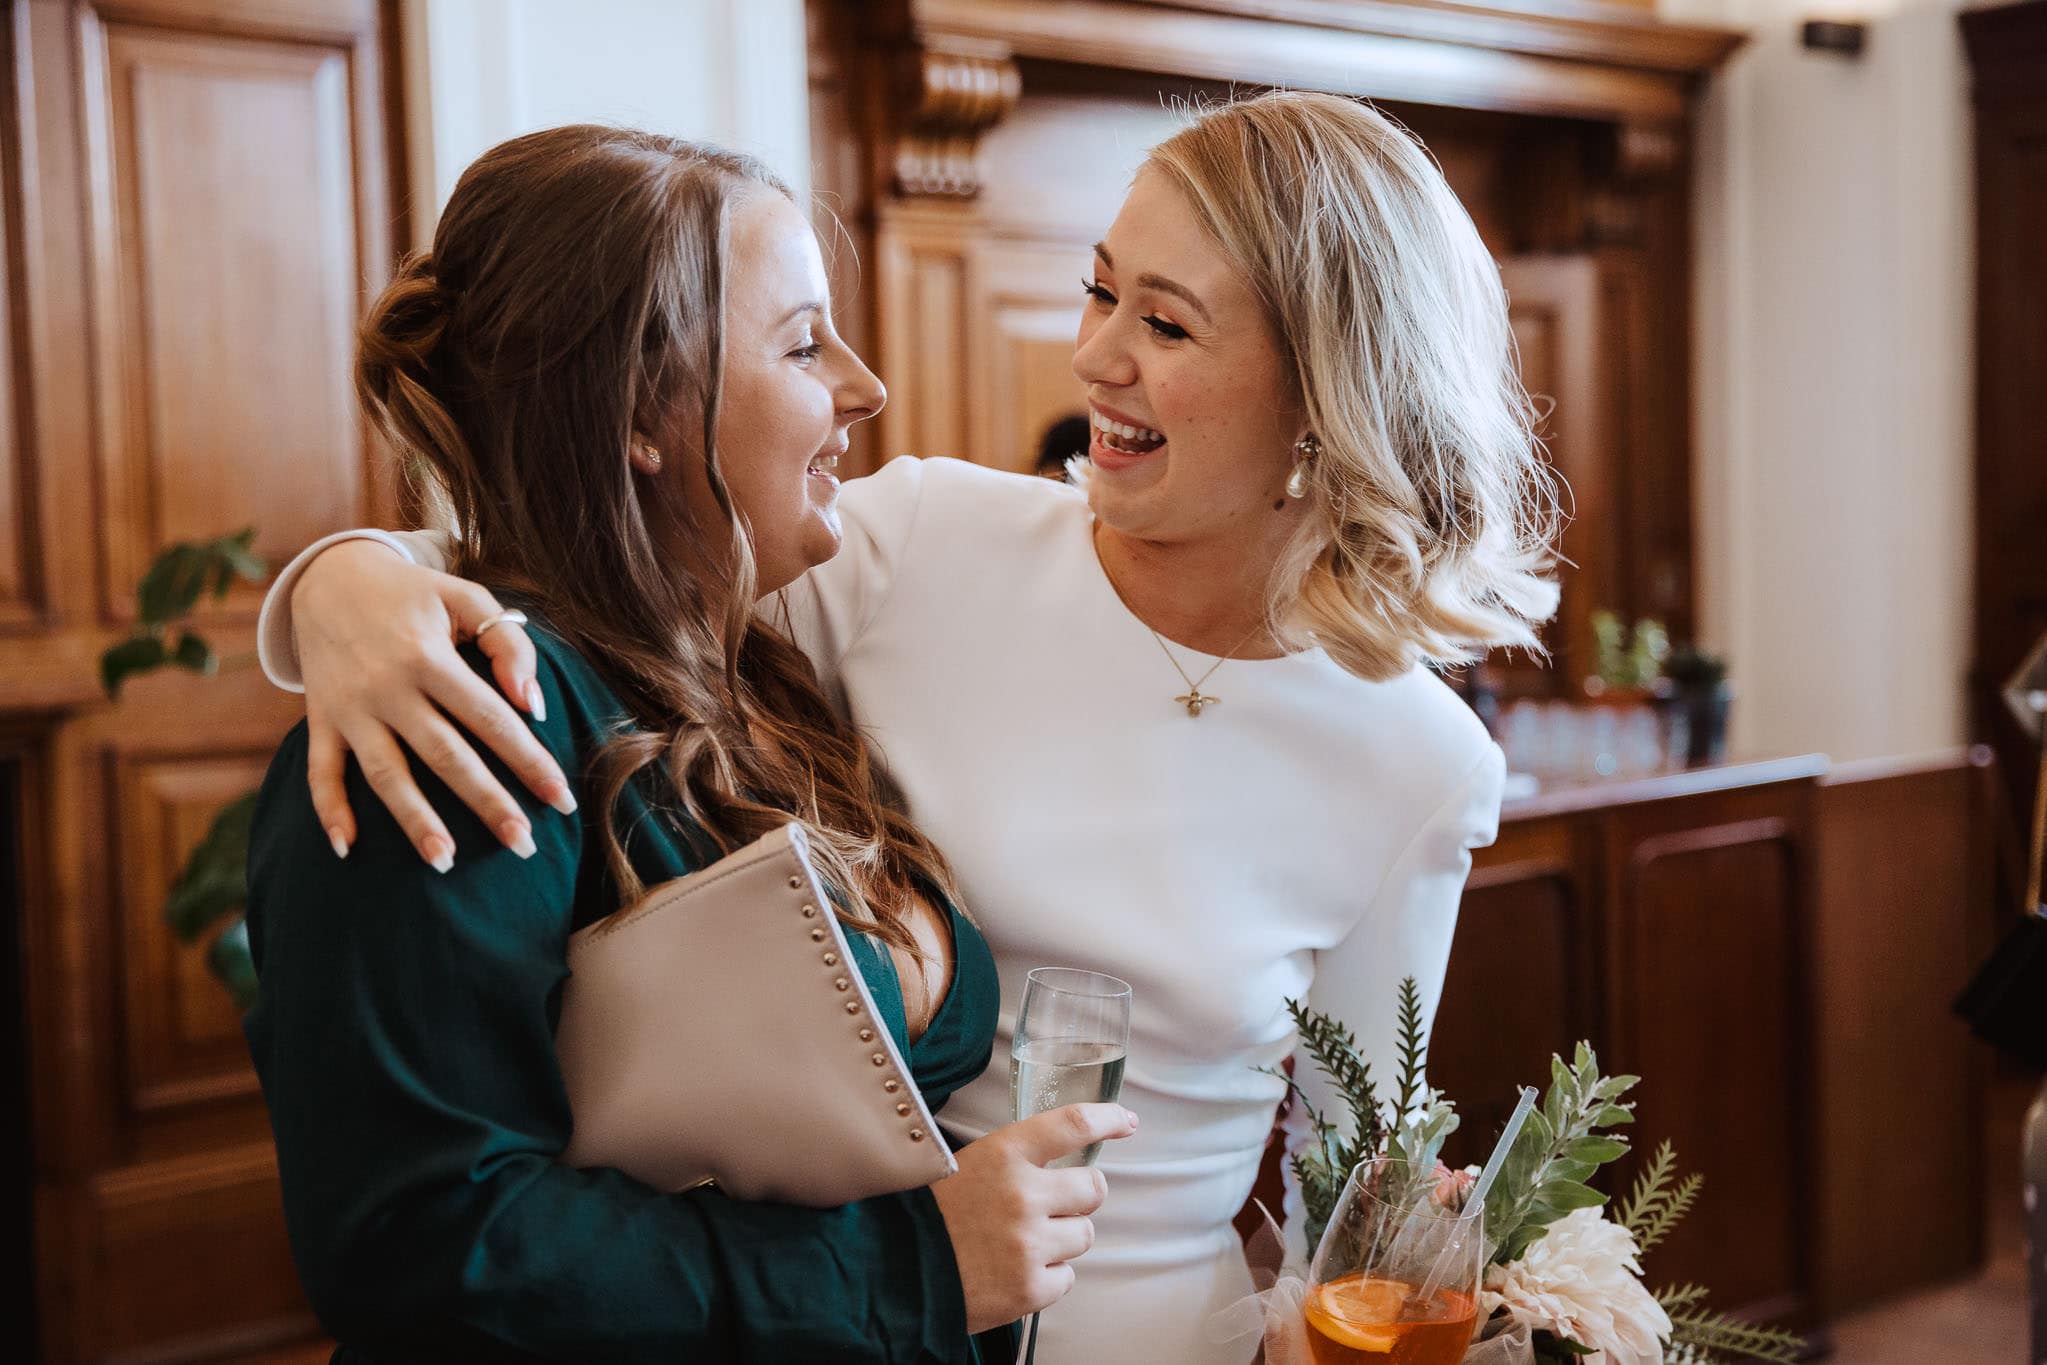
407 321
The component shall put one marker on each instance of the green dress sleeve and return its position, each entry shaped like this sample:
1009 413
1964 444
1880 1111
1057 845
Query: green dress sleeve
403 1033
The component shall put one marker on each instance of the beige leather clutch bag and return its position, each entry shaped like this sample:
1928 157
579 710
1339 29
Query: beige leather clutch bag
718 1031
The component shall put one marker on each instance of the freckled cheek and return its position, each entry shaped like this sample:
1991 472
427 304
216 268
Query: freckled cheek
1205 405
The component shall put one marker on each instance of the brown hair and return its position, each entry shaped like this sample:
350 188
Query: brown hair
575 296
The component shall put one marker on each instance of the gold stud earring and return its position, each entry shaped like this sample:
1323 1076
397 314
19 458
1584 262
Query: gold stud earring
1305 451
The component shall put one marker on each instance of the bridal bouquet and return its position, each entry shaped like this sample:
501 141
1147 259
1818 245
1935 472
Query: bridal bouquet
1562 1283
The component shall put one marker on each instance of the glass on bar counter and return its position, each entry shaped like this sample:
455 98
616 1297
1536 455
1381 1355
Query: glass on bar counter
1561 742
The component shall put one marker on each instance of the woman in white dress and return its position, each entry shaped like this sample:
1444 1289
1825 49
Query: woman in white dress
1179 727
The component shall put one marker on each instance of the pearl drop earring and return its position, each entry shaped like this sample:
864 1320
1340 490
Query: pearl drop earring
1305 451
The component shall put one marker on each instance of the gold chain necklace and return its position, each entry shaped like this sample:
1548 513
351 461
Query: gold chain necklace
1195 700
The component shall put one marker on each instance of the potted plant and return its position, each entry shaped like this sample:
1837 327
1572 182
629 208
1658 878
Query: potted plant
1700 685
1628 664
212 887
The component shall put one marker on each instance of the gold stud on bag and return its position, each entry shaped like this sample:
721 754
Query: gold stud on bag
703 1039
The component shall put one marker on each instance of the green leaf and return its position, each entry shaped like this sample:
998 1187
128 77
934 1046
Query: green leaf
1596 1150
132 657
194 654
182 573
173 583
1613 1087
1413 1046
1613 1115
229 959
214 882
1563 1168
235 551
1567 1195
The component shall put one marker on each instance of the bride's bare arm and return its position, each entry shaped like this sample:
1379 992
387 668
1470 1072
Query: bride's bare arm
376 640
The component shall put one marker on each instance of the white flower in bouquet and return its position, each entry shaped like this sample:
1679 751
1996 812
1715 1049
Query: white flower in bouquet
1582 1281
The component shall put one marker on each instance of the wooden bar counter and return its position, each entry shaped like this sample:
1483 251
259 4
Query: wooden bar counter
1772 946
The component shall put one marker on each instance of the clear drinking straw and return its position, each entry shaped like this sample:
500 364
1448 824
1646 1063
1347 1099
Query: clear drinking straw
1474 1203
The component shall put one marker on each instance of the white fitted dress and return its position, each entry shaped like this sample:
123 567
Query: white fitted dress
1308 837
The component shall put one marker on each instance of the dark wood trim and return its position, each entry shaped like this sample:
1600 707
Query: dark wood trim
1232 42
1557 28
1695 782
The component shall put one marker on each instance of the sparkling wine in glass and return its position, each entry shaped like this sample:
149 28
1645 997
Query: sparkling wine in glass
1072 1033
1395 1281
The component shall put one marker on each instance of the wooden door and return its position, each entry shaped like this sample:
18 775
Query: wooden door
2008 54
205 194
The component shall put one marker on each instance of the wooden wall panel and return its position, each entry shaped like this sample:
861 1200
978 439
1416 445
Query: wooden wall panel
184 1038
1030 296
1901 921
1553 304
924 347
227 255
1523 981
1706 965
173 1242
197 206
19 555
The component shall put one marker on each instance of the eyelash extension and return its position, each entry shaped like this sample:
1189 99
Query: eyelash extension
1167 331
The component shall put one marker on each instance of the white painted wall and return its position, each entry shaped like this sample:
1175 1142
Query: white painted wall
1834 327
480 71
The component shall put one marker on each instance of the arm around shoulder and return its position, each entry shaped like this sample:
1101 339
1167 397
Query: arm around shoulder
276 644
404 1035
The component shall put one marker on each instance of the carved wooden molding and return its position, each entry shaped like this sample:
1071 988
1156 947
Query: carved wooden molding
1616 64
950 96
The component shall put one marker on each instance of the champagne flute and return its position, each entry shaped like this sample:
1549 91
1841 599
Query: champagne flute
1072 1034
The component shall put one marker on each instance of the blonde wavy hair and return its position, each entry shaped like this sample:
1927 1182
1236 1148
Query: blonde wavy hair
1434 512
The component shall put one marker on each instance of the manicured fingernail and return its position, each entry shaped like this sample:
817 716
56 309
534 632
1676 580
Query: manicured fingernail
1130 1118
517 835
536 705
565 803
337 841
440 854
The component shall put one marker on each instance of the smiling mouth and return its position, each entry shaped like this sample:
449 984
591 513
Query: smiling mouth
823 466
1123 438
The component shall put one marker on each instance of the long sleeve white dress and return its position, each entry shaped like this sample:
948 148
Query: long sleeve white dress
1308 836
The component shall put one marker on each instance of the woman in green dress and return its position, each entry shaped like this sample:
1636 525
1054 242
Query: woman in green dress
617 373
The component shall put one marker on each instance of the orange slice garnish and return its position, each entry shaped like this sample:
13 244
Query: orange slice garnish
1358 1312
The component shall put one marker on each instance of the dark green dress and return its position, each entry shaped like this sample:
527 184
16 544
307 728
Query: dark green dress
404 1033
